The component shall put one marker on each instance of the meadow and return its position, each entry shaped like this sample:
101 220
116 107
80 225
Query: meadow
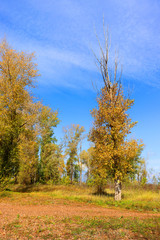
76 212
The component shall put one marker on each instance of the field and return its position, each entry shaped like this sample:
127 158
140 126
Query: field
74 212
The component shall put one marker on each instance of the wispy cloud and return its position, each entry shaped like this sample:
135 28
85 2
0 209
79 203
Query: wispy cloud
62 35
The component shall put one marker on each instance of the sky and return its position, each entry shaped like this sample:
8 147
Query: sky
63 36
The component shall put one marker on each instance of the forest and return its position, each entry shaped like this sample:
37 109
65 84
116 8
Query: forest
38 171
29 152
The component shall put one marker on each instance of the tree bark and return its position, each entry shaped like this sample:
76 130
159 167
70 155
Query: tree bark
80 161
117 190
80 172
89 169
71 173
100 189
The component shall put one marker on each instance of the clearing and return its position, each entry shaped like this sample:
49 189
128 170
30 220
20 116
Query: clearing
49 215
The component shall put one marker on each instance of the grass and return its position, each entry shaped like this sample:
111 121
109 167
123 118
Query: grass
146 228
135 199
78 227
82 228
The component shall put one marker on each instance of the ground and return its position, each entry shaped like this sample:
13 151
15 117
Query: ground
44 217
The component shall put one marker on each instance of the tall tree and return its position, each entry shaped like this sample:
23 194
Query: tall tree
17 106
49 150
113 152
72 137
86 159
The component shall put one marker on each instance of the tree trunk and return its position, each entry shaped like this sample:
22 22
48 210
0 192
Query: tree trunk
80 172
117 190
71 173
80 161
89 171
100 189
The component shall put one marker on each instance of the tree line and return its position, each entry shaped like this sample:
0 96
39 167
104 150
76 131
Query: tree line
29 151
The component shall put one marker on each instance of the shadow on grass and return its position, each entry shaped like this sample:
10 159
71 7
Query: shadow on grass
5 194
103 194
33 188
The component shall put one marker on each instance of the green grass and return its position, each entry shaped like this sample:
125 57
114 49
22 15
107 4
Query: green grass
145 227
135 199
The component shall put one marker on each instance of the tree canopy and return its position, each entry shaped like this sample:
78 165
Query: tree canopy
113 151
29 150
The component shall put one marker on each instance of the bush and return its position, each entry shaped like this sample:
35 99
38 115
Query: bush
4 182
65 180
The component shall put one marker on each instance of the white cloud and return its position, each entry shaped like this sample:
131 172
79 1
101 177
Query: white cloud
62 34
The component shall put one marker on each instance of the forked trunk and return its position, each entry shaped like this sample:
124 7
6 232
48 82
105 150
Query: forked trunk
117 190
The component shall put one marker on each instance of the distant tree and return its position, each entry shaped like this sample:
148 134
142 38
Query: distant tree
49 150
61 166
72 137
86 159
80 159
140 172
18 108
153 177
113 152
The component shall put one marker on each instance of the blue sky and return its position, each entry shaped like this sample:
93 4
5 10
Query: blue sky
62 35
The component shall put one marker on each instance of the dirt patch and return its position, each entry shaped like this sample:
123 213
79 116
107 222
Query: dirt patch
70 220
69 209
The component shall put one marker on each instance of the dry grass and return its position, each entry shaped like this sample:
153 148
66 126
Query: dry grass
45 227
136 198
74 212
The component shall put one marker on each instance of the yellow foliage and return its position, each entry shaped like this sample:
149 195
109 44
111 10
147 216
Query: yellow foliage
18 110
113 154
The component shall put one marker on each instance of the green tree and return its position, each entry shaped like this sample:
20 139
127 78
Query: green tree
49 150
139 171
17 105
28 154
72 138
113 153
86 159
